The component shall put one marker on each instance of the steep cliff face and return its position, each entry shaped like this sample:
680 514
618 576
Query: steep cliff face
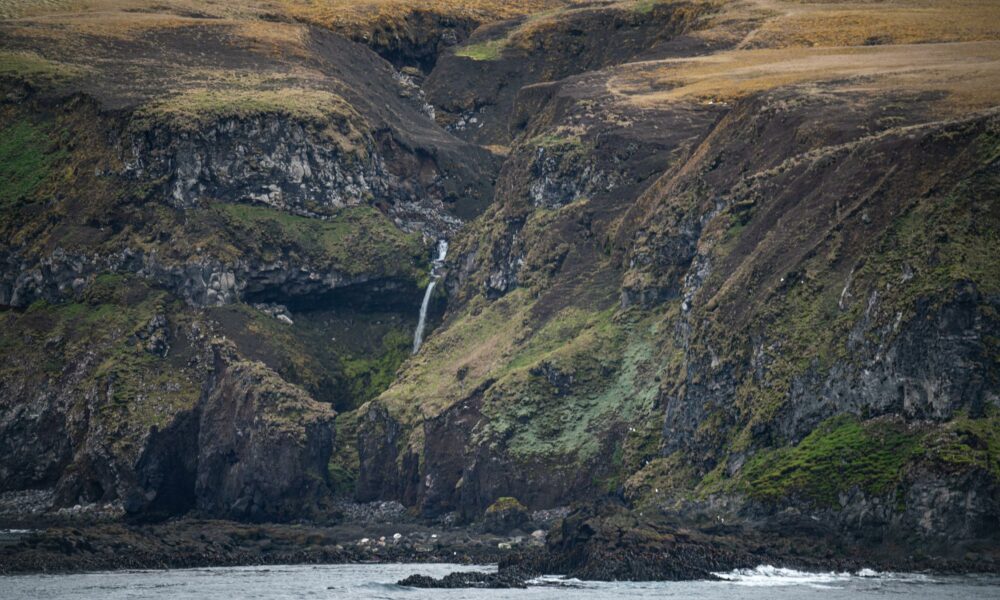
126 406
716 261
764 294
289 205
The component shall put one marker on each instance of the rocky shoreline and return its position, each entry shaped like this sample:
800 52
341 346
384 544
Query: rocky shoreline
592 542
194 543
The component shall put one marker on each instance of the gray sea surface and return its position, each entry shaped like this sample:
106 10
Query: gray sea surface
377 581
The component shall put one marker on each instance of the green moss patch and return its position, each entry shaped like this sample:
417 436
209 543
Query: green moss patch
966 443
26 160
579 377
505 503
369 376
354 240
488 50
838 455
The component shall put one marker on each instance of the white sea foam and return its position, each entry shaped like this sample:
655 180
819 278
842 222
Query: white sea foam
771 576
767 575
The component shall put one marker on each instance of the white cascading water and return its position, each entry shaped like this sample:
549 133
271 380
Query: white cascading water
418 335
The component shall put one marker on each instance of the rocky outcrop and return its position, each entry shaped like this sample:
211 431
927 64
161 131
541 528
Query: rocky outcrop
295 166
121 429
263 445
254 448
201 281
300 167
505 515
379 446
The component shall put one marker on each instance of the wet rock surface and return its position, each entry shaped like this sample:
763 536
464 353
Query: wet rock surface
504 579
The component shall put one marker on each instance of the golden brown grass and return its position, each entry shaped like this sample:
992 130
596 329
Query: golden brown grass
195 107
356 16
878 44
968 71
798 24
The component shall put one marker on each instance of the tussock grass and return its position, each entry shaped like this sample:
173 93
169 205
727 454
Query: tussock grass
194 108
389 16
37 69
969 71
852 24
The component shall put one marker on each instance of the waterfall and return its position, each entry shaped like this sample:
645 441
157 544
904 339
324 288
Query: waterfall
418 335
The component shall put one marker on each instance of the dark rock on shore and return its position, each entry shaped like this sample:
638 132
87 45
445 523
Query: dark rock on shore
505 515
467 579
187 543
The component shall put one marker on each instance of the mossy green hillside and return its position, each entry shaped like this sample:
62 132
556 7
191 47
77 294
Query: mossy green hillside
838 455
582 375
876 456
459 357
27 158
368 376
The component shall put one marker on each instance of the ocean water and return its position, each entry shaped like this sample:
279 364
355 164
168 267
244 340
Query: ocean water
364 582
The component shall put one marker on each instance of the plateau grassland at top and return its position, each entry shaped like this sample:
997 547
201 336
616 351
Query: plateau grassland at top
358 19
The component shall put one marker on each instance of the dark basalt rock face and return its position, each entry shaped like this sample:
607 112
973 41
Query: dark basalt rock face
377 453
263 445
253 448
265 160
201 282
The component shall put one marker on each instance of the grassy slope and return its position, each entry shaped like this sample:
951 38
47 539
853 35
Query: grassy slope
26 160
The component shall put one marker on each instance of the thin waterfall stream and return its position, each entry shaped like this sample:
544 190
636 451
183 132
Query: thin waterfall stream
418 335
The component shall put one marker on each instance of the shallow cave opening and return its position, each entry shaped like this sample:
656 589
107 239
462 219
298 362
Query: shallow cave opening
345 345
166 472
377 296
426 36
